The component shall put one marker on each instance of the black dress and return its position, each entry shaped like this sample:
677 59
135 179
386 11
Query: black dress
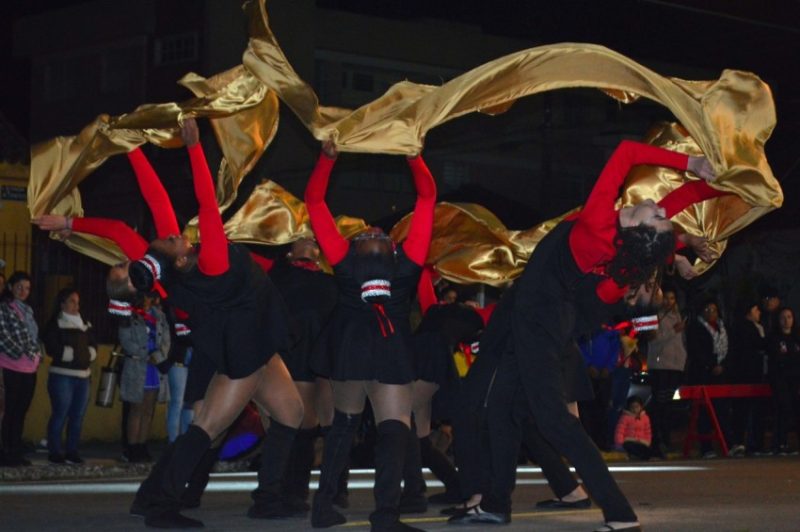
238 318
364 341
310 297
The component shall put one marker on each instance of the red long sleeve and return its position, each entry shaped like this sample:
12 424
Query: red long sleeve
154 194
213 258
592 237
419 234
130 242
331 242
688 194
425 292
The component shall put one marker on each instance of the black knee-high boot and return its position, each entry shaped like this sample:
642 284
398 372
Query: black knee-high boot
148 489
172 474
412 500
342 498
298 471
390 452
275 453
335 456
440 466
199 479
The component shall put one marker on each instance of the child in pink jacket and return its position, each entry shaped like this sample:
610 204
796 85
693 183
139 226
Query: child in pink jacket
633 432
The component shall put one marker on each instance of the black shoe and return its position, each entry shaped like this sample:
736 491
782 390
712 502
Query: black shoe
413 504
454 510
296 506
445 497
559 504
56 458
474 514
171 519
72 457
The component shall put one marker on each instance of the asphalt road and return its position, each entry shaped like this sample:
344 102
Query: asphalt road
759 494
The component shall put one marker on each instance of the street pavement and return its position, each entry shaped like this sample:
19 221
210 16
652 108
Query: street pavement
740 495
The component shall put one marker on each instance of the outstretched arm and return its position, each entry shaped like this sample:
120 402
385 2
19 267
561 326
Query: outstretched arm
628 154
213 257
332 243
132 244
419 234
154 194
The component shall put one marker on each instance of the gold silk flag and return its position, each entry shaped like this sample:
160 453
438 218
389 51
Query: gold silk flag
243 113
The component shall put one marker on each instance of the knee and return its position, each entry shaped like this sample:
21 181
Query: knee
296 412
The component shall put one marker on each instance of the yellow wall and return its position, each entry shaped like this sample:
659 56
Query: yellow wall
14 221
100 423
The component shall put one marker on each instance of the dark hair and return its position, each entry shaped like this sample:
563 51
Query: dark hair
634 399
142 277
62 297
641 250
16 277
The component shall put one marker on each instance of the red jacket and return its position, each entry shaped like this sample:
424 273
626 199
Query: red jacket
633 428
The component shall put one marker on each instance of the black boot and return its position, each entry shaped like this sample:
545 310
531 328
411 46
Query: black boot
342 498
148 490
440 466
390 452
169 479
275 453
335 456
298 472
199 479
412 499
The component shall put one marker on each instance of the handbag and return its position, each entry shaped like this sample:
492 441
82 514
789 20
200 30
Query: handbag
109 376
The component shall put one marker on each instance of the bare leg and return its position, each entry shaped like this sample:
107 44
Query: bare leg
277 393
390 401
423 392
324 402
224 401
308 394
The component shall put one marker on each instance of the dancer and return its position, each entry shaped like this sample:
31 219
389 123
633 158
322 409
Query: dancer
365 352
581 268
444 326
310 296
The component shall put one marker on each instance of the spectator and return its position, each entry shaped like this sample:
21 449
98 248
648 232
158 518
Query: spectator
707 342
629 362
70 342
20 355
600 352
145 340
633 432
747 366
178 417
784 377
666 362
770 308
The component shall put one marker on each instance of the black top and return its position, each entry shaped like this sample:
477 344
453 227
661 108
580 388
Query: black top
783 352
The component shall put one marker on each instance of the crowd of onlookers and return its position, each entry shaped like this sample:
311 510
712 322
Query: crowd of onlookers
153 365
756 343
634 376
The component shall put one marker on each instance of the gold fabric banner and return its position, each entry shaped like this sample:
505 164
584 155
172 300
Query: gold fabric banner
243 113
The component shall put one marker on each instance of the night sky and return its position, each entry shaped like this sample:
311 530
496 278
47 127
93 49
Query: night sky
760 36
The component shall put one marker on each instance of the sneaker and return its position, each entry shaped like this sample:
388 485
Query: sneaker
736 451
708 455
474 514
785 450
74 458
56 458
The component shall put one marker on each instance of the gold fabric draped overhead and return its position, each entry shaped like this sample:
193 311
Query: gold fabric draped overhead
728 120
244 116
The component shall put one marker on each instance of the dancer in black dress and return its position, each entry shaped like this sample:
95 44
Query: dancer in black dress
365 345
239 322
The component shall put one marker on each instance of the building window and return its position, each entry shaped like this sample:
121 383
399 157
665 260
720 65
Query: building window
176 49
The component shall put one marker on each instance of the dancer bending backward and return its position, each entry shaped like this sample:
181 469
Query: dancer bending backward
238 322
590 262
366 353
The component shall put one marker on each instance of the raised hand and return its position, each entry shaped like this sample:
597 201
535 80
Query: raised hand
52 222
685 268
329 149
701 167
189 132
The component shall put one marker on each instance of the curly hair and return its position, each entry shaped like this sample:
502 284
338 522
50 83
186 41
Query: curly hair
641 250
